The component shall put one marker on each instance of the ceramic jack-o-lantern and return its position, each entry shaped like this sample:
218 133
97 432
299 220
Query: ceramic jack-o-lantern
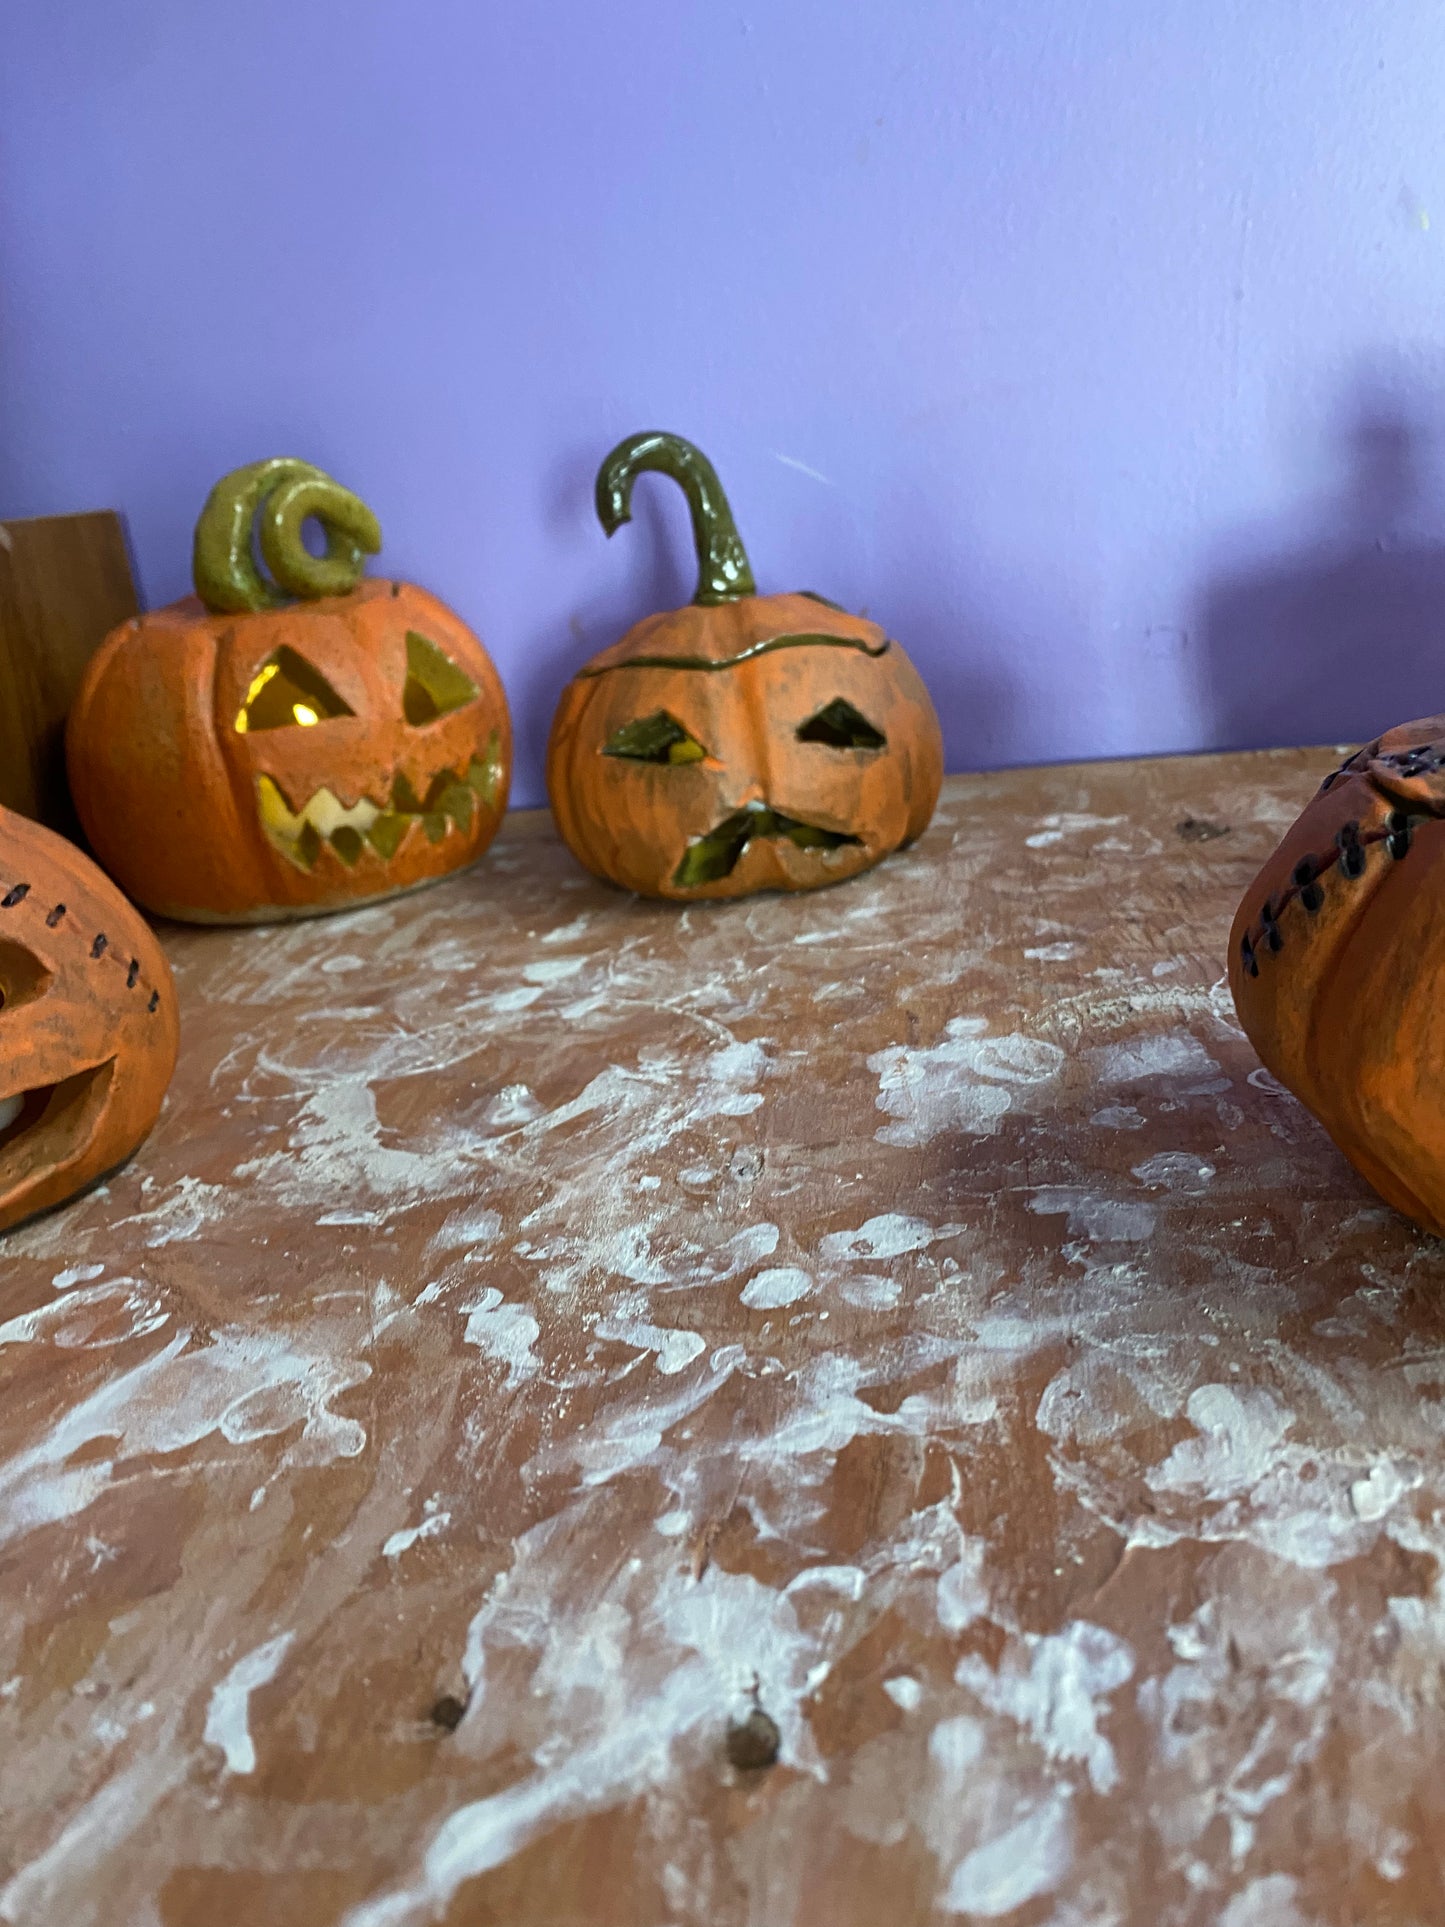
1337 964
745 742
286 746
88 1024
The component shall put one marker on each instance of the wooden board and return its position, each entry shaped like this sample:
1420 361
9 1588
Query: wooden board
547 1328
65 583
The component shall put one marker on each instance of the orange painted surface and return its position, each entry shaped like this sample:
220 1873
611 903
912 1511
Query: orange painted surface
88 1022
173 795
744 703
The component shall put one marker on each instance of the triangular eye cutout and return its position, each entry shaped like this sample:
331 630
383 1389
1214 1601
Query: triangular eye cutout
287 693
841 727
658 738
434 684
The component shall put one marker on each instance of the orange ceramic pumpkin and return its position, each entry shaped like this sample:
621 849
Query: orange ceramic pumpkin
745 742
1337 964
281 748
88 1024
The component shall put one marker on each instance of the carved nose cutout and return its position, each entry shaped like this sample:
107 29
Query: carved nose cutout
840 726
434 684
287 693
658 738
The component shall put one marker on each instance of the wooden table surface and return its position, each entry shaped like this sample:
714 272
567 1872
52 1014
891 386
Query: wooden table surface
547 1329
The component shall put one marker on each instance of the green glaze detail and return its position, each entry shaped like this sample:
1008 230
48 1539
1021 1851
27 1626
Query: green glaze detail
404 798
659 738
710 858
743 655
485 777
276 497
346 842
386 833
458 802
841 726
724 574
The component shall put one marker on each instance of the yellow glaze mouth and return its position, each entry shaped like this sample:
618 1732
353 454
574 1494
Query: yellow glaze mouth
351 829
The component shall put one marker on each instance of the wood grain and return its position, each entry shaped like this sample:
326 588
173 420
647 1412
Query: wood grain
547 1328
65 582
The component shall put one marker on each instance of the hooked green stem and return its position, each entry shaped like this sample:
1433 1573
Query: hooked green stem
724 574
274 498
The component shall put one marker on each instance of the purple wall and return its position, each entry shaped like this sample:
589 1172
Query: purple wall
1095 347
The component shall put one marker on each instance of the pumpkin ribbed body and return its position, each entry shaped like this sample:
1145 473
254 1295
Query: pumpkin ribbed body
240 767
88 1022
1337 964
772 796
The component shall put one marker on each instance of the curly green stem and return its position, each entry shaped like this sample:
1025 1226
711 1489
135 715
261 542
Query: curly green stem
277 497
723 571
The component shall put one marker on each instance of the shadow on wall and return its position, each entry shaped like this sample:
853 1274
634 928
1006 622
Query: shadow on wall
943 621
1345 635
976 700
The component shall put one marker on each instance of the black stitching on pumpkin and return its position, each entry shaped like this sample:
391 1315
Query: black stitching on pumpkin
12 897
1423 760
98 947
1352 766
132 973
54 916
154 1003
1349 852
1352 851
1399 831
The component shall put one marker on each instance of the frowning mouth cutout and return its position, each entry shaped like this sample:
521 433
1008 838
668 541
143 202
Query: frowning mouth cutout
716 855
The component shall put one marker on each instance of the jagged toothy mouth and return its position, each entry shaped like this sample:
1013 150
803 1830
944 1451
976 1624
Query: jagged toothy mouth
349 830
707 859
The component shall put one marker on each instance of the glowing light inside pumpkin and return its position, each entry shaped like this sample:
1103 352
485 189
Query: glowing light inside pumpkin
286 692
350 830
